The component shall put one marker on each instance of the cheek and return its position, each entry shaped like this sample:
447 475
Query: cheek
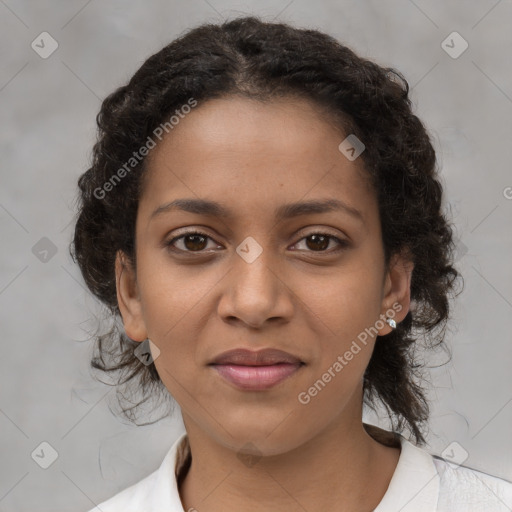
342 314
172 306
341 306
172 294
344 320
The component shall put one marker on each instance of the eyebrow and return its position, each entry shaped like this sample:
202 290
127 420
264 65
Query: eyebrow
286 211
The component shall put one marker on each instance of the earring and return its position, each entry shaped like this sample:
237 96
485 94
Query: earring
391 323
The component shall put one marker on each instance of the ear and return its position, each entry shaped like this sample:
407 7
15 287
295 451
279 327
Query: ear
396 299
128 299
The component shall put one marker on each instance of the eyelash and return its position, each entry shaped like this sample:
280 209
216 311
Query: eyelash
343 244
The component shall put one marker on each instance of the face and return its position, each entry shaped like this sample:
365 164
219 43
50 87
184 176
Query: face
309 282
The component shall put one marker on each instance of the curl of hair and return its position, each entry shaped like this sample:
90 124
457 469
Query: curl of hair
255 59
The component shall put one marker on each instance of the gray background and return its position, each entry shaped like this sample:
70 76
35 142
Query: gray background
48 109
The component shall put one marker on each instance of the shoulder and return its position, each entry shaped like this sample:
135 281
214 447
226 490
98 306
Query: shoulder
135 497
423 482
157 491
465 489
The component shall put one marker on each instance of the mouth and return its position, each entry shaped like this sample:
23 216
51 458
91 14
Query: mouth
255 371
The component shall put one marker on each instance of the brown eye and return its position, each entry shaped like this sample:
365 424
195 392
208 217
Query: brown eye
193 241
319 242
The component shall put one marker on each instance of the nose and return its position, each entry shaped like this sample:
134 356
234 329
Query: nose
255 293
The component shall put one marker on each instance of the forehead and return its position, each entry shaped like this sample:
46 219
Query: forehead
243 125
244 151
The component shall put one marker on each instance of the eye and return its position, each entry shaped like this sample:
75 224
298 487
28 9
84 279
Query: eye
193 241
196 241
319 242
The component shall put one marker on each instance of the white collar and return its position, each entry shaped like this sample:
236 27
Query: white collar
414 486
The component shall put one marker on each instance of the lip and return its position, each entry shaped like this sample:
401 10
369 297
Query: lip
263 357
258 370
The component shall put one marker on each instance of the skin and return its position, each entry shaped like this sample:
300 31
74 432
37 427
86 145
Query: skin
254 157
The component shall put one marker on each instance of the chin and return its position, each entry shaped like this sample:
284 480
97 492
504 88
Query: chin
260 434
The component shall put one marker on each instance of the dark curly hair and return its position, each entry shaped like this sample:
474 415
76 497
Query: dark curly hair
255 59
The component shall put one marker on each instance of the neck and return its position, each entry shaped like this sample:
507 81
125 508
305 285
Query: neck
346 467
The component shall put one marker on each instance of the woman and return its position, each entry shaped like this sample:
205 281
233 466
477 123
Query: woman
264 214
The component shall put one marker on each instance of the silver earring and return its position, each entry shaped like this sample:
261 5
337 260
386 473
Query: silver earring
391 323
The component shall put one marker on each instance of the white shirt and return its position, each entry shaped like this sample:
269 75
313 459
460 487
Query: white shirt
421 483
